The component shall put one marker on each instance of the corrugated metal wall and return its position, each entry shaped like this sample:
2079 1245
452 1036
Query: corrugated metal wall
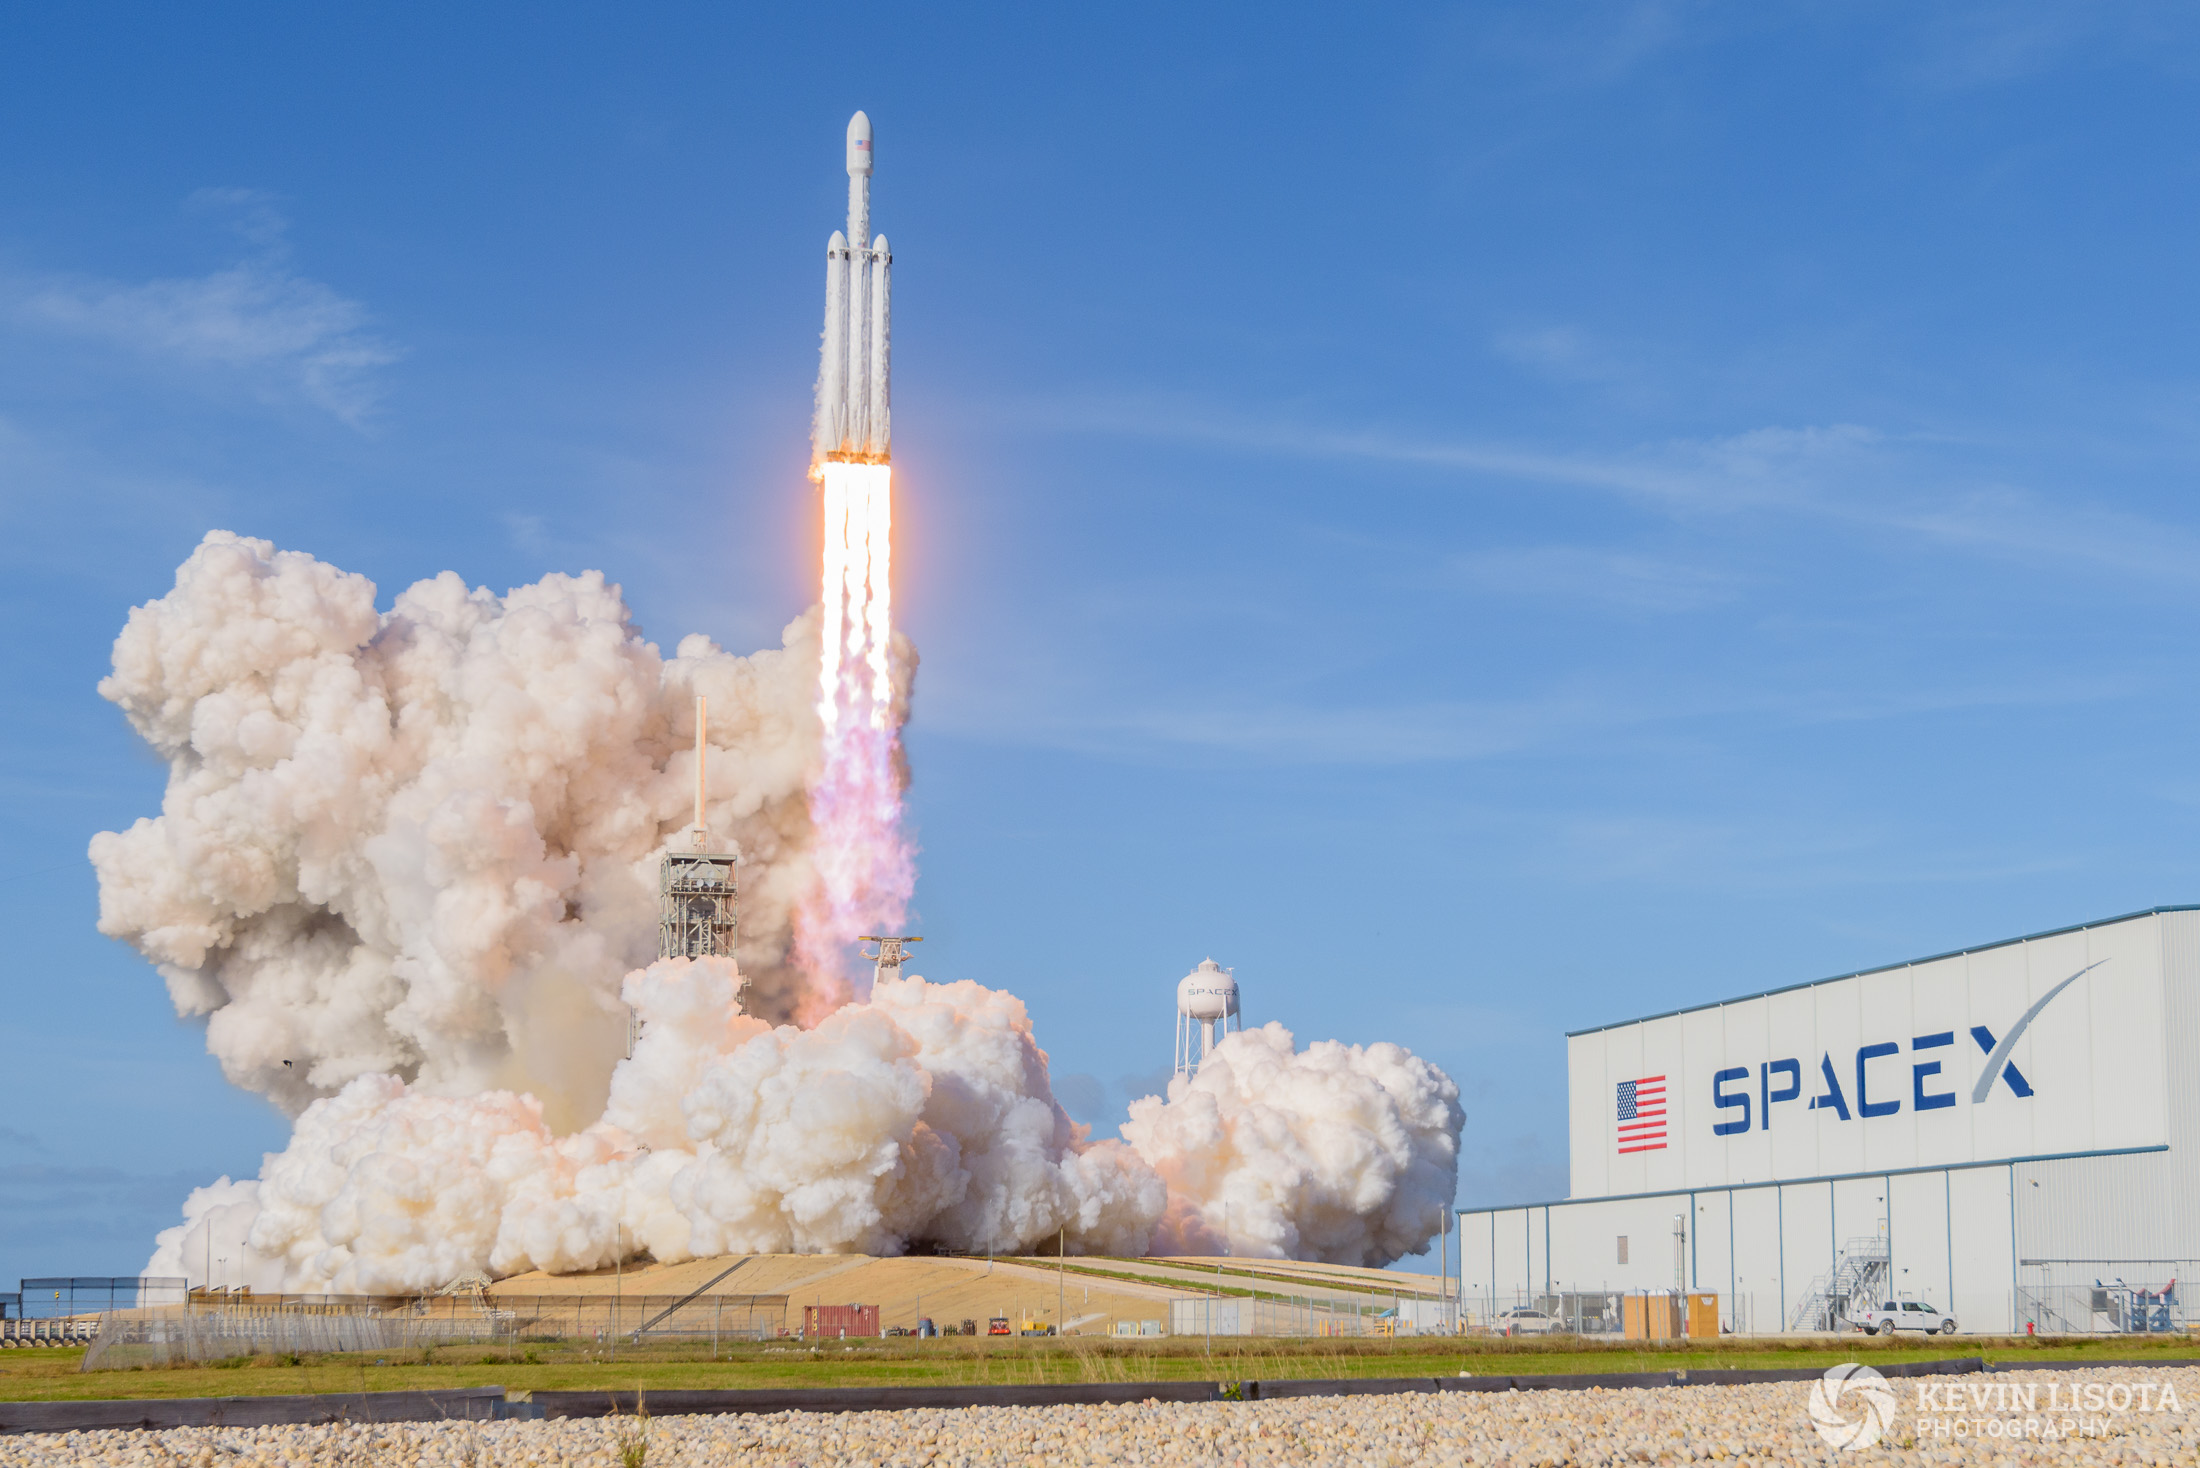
1895 1056
2181 1058
2096 1208
1949 1237
1757 1276
1984 1266
1919 1232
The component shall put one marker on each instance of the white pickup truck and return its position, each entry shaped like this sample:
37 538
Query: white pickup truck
1894 1315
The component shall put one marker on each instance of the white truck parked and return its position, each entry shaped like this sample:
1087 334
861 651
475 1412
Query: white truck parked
1893 1315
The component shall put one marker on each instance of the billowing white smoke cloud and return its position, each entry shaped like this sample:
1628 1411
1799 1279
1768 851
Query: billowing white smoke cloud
1336 1152
411 852
424 842
922 1115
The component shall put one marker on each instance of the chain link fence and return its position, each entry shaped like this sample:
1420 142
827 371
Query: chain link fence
318 1324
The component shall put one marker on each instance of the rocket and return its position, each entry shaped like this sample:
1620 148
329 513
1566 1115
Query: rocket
852 414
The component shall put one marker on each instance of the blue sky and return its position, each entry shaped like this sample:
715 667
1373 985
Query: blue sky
1487 519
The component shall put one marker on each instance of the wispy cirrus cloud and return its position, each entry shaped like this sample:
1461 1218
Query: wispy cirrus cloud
1895 486
1957 46
1564 354
1295 727
1815 850
259 323
1973 46
1590 575
1766 466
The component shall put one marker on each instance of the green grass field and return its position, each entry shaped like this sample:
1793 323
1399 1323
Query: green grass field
55 1375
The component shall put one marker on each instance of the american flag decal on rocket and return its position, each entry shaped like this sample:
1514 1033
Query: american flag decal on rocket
1642 1115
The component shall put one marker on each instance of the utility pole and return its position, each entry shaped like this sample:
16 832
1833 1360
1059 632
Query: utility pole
1061 1280
1443 1266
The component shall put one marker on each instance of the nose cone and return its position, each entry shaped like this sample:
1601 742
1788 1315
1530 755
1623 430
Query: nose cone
859 144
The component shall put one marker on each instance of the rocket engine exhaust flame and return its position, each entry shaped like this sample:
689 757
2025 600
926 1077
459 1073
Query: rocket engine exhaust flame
865 869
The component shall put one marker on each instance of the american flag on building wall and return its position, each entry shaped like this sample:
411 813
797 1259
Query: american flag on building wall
1642 1115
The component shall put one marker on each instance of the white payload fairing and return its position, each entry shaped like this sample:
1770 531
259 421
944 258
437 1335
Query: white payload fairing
853 423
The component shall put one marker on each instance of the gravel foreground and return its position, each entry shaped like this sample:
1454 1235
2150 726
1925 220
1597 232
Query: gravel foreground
1770 1423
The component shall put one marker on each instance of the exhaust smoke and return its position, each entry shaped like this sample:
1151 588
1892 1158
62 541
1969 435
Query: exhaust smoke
413 852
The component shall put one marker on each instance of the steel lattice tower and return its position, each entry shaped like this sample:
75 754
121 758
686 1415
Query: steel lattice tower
698 908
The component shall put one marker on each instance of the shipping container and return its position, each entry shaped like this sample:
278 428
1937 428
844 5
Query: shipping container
839 1322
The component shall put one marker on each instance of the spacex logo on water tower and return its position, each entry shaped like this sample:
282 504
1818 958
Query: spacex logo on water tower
1206 1010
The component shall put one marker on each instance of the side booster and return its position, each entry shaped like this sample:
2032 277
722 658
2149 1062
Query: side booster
853 418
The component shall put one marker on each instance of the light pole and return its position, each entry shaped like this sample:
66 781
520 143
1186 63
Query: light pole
1443 1266
1216 1303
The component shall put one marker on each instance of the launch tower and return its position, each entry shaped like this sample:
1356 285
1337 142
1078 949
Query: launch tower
697 912
698 915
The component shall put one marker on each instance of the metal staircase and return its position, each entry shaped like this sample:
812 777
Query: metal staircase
1861 1268
2053 1312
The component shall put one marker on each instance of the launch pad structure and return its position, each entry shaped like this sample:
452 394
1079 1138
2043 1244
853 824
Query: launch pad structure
698 906
698 914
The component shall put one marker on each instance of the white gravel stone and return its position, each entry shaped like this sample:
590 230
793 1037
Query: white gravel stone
1626 1426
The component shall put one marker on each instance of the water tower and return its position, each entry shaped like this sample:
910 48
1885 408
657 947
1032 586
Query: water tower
1206 1010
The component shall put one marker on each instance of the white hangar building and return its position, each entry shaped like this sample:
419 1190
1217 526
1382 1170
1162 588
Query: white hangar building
2010 1134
